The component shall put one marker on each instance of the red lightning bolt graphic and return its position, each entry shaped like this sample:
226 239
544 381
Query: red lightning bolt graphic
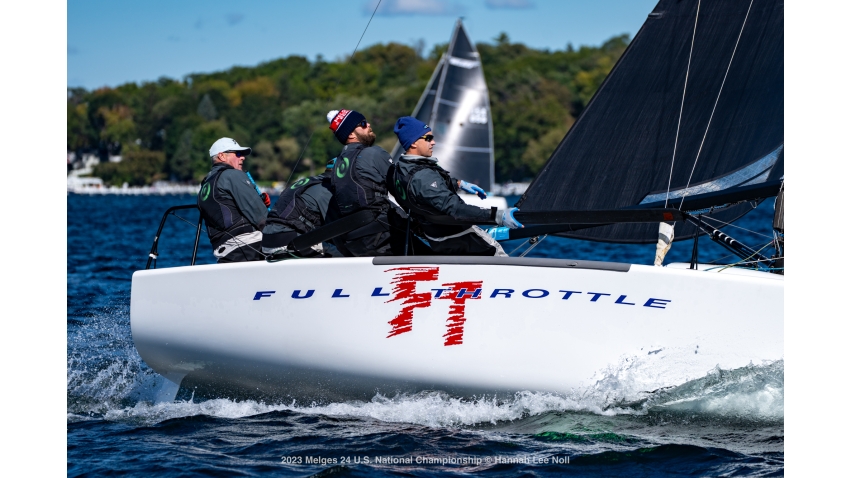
460 292
404 289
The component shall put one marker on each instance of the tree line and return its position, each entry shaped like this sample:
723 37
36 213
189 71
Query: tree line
164 129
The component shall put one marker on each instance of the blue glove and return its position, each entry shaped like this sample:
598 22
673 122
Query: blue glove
472 189
498 233
507 218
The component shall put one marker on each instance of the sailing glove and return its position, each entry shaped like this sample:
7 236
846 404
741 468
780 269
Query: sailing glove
506 218
472 189
266 199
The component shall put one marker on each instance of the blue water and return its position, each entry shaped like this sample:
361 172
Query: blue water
728 423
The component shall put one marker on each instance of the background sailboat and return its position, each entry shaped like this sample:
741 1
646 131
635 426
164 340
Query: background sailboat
456 105
694 106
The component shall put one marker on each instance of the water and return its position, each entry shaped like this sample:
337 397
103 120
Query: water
727 423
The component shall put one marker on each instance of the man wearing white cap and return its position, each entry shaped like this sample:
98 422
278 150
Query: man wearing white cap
232 210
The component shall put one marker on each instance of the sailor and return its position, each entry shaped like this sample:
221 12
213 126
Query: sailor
300 208
232 210
427 192
358 182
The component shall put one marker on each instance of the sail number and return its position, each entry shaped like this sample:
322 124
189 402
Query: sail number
478 115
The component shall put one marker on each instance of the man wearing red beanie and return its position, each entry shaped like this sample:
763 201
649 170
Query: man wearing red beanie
358 182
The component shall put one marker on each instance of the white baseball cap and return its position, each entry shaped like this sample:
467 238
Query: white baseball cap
227 144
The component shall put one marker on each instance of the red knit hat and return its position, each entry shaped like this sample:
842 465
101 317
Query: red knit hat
343 122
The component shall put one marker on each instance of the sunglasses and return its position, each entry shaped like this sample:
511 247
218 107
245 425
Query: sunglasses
363 124
427 137
240 154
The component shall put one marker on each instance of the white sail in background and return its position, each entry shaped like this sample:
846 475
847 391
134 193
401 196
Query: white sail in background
456 106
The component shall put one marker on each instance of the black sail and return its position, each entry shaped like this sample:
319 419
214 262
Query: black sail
620 152
456 106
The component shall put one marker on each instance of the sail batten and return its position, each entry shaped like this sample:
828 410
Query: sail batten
619 152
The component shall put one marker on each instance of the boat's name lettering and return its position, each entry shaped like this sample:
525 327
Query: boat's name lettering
406 284
263 293
656 303
476 293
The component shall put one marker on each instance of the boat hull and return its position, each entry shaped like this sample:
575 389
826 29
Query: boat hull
340 328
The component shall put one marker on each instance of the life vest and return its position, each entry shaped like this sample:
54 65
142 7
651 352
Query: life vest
401 186
223 219
291 210
353 192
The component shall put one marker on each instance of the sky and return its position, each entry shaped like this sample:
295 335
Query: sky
114 42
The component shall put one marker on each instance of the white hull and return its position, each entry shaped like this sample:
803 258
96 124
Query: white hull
240 327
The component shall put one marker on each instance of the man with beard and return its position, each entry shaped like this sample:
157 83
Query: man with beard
358 182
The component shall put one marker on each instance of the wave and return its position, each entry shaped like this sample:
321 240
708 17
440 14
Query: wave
107 379
123 391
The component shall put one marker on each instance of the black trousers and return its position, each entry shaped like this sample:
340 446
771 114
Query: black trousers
385 236
461 241
244 254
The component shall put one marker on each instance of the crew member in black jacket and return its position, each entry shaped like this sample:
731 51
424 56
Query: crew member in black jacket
427 192
232 210
358 182
301 207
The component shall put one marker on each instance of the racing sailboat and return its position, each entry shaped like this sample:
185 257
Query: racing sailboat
690 118
456 104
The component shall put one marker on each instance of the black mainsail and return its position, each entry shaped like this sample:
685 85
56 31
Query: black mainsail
456 105
693 108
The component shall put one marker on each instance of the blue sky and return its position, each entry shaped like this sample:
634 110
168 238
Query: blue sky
114 42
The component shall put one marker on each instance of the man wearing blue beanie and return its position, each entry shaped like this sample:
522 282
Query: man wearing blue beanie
428 193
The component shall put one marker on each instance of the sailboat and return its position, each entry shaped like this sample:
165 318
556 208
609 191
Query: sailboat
687 128
456 104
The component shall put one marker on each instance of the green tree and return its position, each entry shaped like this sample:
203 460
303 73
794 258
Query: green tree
136 169
279 106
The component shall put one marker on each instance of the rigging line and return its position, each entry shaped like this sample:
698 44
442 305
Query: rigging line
746 260
714 261
244 244
533 245
713 109
517 247
756 262
724 224
682 107
298 161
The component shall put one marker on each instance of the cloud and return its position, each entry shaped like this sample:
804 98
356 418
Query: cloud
509 4
234 18
391 8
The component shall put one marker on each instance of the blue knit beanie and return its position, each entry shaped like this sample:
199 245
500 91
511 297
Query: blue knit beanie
409 129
